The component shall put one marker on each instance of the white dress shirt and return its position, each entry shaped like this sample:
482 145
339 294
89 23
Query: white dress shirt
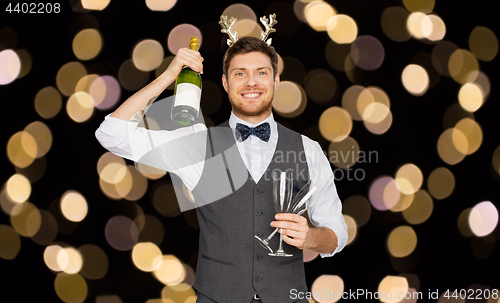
126 140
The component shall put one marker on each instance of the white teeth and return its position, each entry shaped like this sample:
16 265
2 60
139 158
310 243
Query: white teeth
250 95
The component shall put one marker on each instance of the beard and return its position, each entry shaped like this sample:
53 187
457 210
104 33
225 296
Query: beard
252 109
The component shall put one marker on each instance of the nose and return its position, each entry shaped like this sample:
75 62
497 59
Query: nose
251 81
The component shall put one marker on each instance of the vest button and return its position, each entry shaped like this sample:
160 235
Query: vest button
258 279
258 213
258 191
258 257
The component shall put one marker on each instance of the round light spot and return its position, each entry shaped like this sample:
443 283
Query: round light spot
147 256
452 146
402 241
18 188
95 262
384 193
97 5
121 233
10 243
425 6
393 23
71 288
471 97
483 43
26 219
409 178
180 35
472 132
171 271
358 208
414 24
342 29
330 284
74 206
344 154
75 261
320 86
433 28
351 229
415 79
483 218
50 256
317 14
160 5
48 102
42 135
80 107
147 55
335 124
10 66
22 149
247 28
420 209
441 183
240 12
130 77
87 44
461 64
392 287
288 99
68 76
367 52
26 62
104 91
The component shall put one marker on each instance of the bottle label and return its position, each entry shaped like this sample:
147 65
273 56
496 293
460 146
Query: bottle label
187 94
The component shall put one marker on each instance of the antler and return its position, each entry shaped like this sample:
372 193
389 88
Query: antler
269 27
226 28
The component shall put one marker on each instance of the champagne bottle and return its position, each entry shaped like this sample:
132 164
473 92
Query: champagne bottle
187 94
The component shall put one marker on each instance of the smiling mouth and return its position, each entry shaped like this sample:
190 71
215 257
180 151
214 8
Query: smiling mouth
251 95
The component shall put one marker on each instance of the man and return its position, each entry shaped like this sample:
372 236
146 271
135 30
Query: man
232 267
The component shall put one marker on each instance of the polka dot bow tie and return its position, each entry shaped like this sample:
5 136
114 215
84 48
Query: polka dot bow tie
263 131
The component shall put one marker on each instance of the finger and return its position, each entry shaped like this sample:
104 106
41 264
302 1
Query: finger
294 234
290 217
294 242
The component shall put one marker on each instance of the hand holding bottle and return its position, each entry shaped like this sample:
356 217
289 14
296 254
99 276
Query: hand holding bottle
185 57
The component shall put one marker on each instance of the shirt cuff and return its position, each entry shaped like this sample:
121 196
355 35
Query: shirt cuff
341 234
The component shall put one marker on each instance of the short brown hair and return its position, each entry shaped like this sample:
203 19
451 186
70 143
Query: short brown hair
247 45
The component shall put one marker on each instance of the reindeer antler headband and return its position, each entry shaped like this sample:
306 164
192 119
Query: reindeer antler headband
233 36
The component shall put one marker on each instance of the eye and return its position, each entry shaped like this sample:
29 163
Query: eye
239 74
262 73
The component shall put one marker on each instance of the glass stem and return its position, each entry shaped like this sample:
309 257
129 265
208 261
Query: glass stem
281 240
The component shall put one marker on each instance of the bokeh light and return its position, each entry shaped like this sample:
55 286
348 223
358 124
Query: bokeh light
392 287
147 55
160 5
26 219
288 99
367 52
130 77
74 206
180 35
80 107
401 241
441 183
121 233
409 178
335 124
147 256
415 79
461 64
483 43
22 149
342 29
414 24
321 86
393 22
483 218
87 44
42 135
452 146
352 229
384 193
317 14
472 132
329 283
75 260
26 62
420 209
247 28
10 66
345 153
425 6
68 76
71 288
240 12
470 97
48 102
171 271
97 5
95 262
48 229
433 28
10 243
18 188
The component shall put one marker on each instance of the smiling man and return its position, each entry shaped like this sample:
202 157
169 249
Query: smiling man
232 266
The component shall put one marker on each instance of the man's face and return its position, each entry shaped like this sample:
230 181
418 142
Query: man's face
250 85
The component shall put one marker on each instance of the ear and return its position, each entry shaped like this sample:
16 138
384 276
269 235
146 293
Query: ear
224 82
276 80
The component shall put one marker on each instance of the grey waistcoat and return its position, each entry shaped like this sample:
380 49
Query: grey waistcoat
232 266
